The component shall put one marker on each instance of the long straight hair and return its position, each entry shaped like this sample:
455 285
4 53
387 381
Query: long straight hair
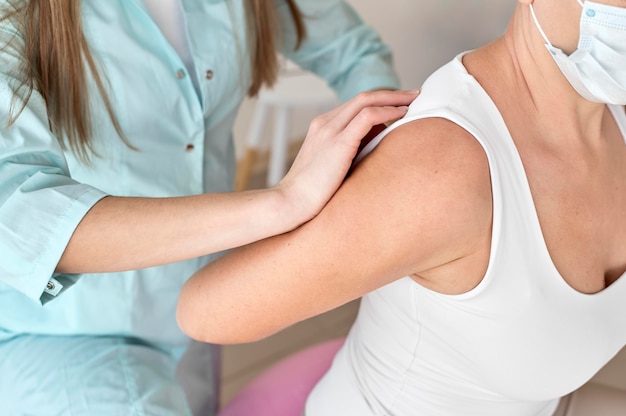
263 20
56 63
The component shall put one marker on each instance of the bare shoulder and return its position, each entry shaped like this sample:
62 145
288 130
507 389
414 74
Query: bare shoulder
438 173
423 195
428 137
436 156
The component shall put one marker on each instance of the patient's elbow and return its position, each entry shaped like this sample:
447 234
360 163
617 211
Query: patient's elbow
185 321
213 332
197 324
209 325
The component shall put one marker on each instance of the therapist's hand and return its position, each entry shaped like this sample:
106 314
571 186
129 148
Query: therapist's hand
331 144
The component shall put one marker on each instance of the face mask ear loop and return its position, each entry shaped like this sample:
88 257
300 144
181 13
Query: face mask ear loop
581 3
543 35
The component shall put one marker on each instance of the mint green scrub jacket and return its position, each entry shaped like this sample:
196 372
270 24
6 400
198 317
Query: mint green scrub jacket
185 147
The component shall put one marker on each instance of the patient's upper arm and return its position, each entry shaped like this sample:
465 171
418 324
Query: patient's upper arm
422 198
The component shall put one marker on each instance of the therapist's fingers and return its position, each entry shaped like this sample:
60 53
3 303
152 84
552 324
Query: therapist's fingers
331 144
350 122
338 137
340 117
367 123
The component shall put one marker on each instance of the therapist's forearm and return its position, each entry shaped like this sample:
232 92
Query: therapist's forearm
131 233
121 233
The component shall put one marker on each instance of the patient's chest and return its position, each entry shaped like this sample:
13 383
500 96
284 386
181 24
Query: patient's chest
525 346
579 194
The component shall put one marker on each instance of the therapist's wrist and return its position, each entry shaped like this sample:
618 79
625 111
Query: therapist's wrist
292 209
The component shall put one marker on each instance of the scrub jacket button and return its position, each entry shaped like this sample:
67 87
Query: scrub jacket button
50 285
208 74
180 74
189 147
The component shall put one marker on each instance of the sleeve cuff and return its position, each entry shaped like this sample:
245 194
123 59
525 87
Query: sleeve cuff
36 248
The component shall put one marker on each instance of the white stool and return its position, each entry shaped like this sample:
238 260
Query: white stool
294 90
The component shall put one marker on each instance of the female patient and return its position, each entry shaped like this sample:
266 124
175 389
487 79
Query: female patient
486 234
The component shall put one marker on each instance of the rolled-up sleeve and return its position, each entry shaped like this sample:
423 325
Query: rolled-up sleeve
340 48
40 205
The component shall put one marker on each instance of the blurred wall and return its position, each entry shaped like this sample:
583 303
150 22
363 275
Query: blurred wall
423 34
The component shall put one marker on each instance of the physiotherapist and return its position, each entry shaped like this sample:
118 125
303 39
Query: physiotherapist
116 172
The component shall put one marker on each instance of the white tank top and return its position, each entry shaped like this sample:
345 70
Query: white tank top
511 346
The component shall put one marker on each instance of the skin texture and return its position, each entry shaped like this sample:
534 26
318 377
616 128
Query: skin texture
420 204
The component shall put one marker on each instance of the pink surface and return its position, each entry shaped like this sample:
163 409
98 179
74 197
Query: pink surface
282 389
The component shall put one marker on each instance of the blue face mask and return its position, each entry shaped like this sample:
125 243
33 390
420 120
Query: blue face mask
597 69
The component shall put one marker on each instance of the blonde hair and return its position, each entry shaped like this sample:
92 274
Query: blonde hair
56 63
